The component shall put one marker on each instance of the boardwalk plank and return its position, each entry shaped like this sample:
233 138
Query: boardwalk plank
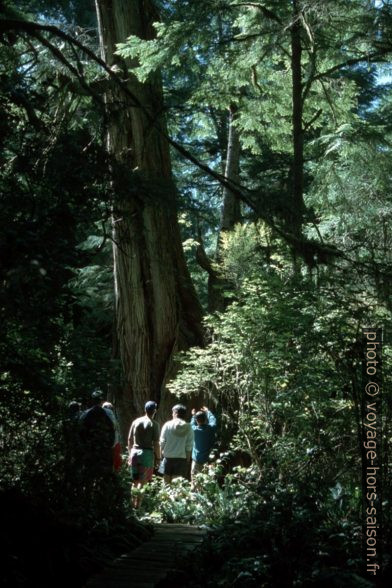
154 561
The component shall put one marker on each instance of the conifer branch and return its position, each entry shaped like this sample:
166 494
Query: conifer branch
308 249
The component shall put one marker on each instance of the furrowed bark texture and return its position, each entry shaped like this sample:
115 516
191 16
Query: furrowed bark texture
156 306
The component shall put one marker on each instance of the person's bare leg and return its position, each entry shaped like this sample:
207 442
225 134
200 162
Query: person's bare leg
133 496
137 498
167 479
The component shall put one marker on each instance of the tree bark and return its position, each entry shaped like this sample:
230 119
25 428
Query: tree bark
157 309
297 203
230 216
231 210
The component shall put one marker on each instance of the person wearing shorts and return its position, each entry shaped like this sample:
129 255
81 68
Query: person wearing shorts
143 448
176 443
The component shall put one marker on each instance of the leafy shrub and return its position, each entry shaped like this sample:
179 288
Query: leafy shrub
289 538
208 503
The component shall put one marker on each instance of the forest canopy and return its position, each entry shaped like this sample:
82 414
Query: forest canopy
196 203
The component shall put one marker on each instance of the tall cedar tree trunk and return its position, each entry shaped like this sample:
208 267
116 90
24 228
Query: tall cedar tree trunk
157 310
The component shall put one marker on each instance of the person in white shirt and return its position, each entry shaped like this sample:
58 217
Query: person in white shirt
176 443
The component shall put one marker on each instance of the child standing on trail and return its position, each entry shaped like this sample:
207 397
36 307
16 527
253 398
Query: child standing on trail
204 427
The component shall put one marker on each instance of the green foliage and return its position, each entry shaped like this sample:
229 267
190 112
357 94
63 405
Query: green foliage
283 363
208 503
79 12
290 539
52 511
56 334
260 530
216 55
55 169
355 205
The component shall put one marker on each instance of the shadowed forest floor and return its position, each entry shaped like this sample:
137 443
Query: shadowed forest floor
155 562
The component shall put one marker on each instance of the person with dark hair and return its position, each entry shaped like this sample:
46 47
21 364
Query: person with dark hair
143 447
97 435
176 444
203 424
73 410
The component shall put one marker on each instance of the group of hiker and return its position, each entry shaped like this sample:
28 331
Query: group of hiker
184 446
179 449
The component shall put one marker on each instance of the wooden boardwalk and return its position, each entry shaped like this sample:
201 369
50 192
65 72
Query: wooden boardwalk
156 562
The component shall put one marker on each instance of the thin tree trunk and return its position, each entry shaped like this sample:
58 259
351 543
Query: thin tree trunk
157 309
230 216
231 211
297 203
